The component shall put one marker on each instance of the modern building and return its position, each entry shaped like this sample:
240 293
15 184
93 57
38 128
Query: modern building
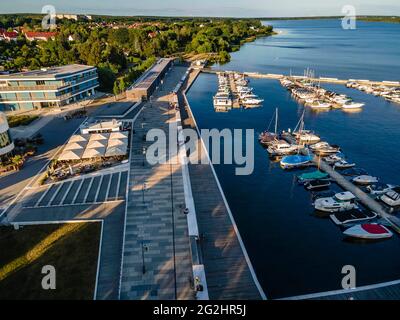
48 87
144 87
6 143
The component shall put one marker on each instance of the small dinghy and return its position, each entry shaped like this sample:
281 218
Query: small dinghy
352 216
317 184
368 231
309 176
343 164
365 179
295 161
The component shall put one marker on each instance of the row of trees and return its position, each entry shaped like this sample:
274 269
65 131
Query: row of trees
123 53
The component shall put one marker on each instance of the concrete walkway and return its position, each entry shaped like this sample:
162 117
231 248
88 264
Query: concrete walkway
157 260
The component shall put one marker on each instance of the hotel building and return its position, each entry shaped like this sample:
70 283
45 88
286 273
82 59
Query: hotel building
48 87
6 143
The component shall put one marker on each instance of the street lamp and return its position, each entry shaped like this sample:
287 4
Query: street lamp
144 188
144 154
144 248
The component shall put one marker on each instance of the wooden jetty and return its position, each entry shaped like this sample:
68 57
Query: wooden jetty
363 197
320 79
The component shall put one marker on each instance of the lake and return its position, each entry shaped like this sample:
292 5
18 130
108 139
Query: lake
293 251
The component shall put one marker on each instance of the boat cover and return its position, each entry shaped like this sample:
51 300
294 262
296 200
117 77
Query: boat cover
313 175
296 159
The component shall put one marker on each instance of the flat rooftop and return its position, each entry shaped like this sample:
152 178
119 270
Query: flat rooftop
148 78
48 73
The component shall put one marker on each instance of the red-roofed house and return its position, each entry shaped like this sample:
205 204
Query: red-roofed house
44 36
9 36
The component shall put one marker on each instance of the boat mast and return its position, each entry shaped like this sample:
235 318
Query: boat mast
276 121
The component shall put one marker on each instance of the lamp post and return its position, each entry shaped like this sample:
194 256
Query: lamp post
144 248
144 155
144 188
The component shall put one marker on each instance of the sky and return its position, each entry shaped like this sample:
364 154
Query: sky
228 8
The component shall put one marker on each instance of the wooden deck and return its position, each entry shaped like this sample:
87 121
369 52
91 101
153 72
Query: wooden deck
228 270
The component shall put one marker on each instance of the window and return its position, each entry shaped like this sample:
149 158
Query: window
40 83
5 139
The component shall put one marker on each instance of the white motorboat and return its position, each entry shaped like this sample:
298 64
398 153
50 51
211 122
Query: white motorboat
333 158
281 147
352 216
379 188
352 105
343 164
341 99
222 100
319 145
342 201
368 231
307 137
392 197
319 104
365 179
251 100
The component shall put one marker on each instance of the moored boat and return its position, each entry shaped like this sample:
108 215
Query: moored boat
368 231
309 176
317 184
343 164
342 201
392 197
365 179
352 216
295 161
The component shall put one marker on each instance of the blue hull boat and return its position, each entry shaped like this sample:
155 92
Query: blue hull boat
295 161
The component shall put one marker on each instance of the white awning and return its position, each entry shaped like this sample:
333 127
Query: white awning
79 138
119 135
75 146
97 144
93 153
116 151
71 155
117 142
99 136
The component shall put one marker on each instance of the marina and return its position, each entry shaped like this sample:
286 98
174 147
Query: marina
234 92
272 198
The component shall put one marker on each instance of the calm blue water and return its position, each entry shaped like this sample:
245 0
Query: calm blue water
371 51
293 251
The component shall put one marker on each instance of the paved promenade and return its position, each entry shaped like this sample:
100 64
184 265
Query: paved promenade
157 260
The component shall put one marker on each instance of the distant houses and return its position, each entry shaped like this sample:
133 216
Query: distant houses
29 35
8 35
43 36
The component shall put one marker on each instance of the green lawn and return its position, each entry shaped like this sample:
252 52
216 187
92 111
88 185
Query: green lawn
20 120
71 248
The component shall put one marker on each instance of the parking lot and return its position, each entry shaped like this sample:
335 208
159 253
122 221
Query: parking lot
96 189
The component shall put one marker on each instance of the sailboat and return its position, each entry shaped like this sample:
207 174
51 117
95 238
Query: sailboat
304 136
266 137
